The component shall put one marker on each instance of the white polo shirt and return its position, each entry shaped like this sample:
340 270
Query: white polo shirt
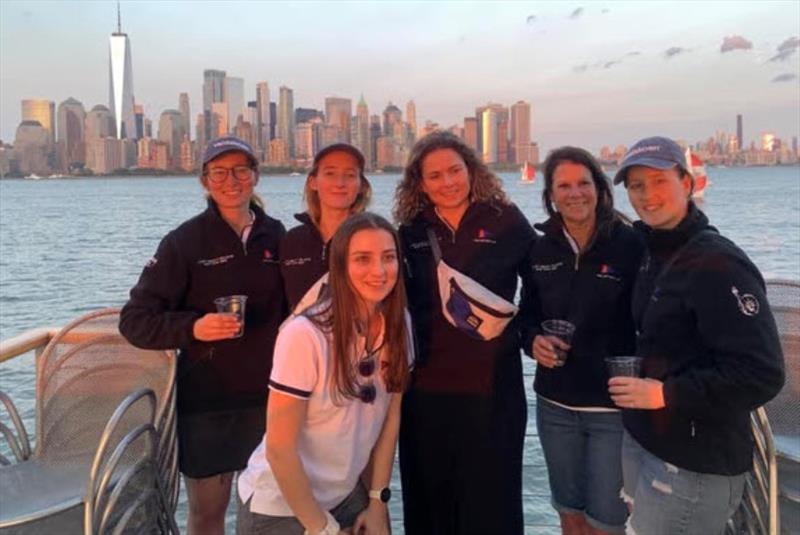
335 442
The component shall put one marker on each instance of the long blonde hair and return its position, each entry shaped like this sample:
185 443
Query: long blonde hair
410 199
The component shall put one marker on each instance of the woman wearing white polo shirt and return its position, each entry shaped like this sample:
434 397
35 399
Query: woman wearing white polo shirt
334 406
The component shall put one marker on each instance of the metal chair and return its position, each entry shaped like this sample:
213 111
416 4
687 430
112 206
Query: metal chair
105 458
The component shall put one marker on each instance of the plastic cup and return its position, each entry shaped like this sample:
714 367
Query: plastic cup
234 305
624 366
563 330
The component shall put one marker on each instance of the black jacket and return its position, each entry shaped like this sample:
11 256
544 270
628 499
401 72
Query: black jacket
304 259
490 246
199 261
705 330
593 291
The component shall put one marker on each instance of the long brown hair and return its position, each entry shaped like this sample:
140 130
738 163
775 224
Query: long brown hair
411 200
605 213
337 312
311 196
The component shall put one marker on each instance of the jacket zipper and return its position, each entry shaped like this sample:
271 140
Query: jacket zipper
691 423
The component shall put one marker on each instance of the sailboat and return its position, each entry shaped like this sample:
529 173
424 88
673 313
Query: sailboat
695 165
528 174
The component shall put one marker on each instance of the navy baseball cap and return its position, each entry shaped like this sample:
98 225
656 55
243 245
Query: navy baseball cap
656 152
219 146
340 147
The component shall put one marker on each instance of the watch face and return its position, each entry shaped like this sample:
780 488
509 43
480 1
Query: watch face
386 494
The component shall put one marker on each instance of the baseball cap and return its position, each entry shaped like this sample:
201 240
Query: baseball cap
656 152
219 146
340 147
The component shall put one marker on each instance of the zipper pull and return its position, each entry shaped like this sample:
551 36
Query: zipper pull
693 430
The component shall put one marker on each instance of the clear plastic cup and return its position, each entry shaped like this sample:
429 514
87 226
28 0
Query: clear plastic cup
624 366
233 304
561 329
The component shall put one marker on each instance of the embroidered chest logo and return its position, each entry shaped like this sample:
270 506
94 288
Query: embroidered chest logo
419 245
268 257
484 236
608 272
208 262
748 304
296 261
546 267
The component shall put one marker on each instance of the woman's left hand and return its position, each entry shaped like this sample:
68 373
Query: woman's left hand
374 520
635 393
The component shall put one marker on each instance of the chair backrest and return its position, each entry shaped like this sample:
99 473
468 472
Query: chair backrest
83 374
784 299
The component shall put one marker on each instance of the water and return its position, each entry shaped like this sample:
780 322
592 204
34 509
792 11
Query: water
73 245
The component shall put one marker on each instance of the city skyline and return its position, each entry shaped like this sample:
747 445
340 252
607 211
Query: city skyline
591 110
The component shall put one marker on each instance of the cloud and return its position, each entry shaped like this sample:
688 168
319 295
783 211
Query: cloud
577 13
634 53
580 68
604 10
674 51
734 42
785 77
786 49
609 64
531 19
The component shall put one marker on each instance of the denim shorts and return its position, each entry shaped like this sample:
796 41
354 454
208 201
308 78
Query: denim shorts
582 451
668 500
250 523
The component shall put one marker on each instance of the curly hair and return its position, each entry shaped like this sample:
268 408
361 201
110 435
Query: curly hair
410 200
604 212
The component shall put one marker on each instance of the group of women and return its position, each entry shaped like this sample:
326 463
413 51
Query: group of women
413 337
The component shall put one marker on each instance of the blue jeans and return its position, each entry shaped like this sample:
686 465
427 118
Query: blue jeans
668 500
582 451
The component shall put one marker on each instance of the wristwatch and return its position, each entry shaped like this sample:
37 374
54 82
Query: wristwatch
383 494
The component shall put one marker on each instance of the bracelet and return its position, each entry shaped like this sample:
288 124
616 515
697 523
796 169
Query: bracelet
331 528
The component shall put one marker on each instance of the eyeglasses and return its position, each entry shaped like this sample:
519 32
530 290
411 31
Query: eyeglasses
366 367
242 173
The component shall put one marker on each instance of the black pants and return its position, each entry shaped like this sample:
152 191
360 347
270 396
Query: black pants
461 463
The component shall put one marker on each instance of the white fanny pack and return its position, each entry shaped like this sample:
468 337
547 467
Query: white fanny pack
468 305
316 291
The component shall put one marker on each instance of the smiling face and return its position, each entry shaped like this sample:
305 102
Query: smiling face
232 193
445 180
372 265
574 194
659 196
337 181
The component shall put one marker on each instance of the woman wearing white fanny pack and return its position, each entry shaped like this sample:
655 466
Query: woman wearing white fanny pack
335 188
463 422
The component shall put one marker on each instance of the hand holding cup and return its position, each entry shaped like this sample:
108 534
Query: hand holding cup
558 335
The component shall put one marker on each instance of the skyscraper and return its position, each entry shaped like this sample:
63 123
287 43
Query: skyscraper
391 116
171 132
489 123
213 91
520 131
411 118
361 134
286 119
71 147
42 111
183 107
739 132
337 113
263 115
471 132
121 82
234 97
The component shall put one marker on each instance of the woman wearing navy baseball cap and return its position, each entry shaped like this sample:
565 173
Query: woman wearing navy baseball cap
229 250
710 349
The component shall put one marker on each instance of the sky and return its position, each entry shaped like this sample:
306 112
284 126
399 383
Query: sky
595 73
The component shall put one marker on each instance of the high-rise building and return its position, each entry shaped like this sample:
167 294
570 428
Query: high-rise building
99 123
520 131
286 120
183 107
739 132
213 91
171 132
32 145
42 111
138 116
337 113
306 115
273 126
471 132
219 120
489 135
71 142
391 116
264 115
411 119
304 141
361 137
234 97
121 82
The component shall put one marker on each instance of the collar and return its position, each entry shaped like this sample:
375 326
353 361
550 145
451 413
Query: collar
666 241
